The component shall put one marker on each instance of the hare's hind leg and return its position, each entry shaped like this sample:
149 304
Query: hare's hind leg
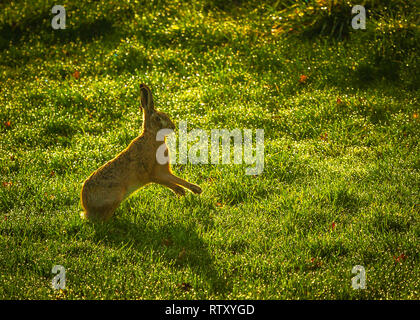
100 204
100 212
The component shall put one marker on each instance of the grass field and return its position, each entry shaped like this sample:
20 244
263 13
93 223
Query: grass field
341 180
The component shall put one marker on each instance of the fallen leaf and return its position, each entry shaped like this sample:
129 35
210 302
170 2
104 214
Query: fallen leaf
400 258
315 263
303 78
185 286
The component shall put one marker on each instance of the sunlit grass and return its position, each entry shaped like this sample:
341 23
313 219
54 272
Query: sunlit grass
339 187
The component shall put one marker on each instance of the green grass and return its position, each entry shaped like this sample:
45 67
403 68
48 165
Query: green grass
340 148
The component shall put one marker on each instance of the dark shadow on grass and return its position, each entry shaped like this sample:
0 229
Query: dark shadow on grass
176 243
13 34
345 199
86 31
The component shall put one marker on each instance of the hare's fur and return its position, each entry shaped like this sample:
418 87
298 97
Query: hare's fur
133 168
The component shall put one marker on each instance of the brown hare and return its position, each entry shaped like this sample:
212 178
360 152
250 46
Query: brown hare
133 168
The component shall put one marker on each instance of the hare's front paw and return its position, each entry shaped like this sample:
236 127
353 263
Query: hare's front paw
196 189
179 191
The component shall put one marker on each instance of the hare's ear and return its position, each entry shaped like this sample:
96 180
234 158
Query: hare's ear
146 98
